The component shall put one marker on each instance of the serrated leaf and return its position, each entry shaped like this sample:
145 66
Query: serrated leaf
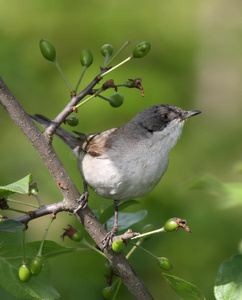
228 284
52 249
184 289
109 211
39 287
11 226
21 186
126 220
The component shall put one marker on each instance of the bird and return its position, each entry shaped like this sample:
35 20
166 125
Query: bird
126 162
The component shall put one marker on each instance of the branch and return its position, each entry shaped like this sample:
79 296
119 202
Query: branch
40 212
59 173
69 108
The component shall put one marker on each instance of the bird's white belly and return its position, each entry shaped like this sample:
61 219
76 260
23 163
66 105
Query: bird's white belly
123 178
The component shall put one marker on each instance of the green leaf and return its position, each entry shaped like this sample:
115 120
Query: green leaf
109 211
184 289
233 195
39 287
51 249
11 225
21 186
208 183
228 284
126 220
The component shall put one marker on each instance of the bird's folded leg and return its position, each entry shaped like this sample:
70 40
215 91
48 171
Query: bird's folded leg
109 236
82 200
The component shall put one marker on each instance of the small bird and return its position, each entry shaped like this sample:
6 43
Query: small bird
126 162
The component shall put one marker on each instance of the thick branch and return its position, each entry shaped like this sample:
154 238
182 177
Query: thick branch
58 172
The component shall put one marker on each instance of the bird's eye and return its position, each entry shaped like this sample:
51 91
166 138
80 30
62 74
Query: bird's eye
165 116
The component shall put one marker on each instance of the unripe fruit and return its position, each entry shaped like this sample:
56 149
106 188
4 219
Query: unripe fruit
72 233
171 225
108 269
36 265
107 50
72 120
117 245
164 263
47 50
24 273
141 50
86 58
108 292
77 236
147 228
33 190
116 100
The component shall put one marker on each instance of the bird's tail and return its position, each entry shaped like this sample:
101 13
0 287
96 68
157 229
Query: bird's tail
64 135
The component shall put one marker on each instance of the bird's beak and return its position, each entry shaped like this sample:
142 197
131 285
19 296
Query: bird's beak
189 113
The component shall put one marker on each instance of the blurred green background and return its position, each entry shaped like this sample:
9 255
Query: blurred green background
195 63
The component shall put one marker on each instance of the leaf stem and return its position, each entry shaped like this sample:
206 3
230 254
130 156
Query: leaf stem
44 236
21 202
103 97
84 68
23 247
89 98
133 248
118 52
137 245
117 66
85 242
38 199
62 75
19 211
149 233
118 283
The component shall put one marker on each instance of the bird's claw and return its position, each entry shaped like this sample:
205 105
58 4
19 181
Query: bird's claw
82 202
108 238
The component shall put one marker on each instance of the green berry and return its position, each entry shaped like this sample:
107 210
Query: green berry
108 269
72 233
171 225
24 273
72 120
147 228
164 263
107 50
36 265
33 190
47 50
77 236
141 50
117 245
108 292
116 100
86 58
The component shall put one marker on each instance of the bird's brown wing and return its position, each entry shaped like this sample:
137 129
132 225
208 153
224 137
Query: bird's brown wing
96 144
